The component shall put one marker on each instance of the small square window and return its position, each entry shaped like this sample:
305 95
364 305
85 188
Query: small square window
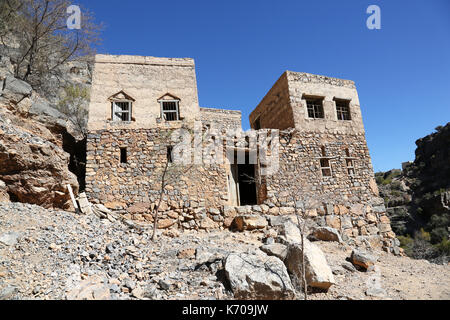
343 109
121 111
170 110
315 108
349 163
325 167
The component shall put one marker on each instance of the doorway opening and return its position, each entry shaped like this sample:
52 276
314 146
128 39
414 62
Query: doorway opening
242 184
247 184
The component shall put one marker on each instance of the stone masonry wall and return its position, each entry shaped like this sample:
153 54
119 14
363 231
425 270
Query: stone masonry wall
134 186
349 203
274 111
224 119
146 80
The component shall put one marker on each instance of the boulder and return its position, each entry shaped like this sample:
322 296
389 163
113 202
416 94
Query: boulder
34 169
258 276
9 238
287 229
275 249
53 119
15 90
348 266
318 272
92 288
209 256
325 234
249 222
363 259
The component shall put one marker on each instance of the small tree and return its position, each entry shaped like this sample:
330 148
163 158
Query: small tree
304 201
73 104
173 169
42 41
302 197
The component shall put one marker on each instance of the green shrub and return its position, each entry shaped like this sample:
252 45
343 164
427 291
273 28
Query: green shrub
405 242
444 247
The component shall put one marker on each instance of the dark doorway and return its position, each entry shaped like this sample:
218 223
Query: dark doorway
247 185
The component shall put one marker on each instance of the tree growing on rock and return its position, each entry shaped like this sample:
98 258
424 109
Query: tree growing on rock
74 104
36 36
303 198
177 163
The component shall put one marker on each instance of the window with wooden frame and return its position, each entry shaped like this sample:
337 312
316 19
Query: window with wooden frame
349 163
315 107
170 110
121 110
325 165
343 109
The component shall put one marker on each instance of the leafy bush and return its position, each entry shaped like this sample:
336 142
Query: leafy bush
405 241
444 247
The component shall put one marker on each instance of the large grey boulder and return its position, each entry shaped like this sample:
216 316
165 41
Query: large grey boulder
53 119
275 249
15 90
318 272
287 229
258 276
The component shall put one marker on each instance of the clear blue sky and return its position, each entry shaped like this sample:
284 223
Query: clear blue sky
402 71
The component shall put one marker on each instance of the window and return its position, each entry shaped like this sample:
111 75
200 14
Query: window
343 109
169 154
325 164
123 155
169 110
315 108
121 111
349 163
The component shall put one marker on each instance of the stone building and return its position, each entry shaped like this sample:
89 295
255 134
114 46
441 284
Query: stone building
137 102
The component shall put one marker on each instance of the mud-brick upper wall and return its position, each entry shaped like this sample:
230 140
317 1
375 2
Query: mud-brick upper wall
146 80
284 106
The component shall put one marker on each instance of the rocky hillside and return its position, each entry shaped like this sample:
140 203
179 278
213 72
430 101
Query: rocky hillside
41 150
418 197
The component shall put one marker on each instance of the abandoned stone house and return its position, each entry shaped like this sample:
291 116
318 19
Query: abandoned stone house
323 151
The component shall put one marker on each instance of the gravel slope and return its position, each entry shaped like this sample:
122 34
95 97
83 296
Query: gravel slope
46 254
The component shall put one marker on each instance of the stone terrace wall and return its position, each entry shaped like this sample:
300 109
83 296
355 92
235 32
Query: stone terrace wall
225 119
